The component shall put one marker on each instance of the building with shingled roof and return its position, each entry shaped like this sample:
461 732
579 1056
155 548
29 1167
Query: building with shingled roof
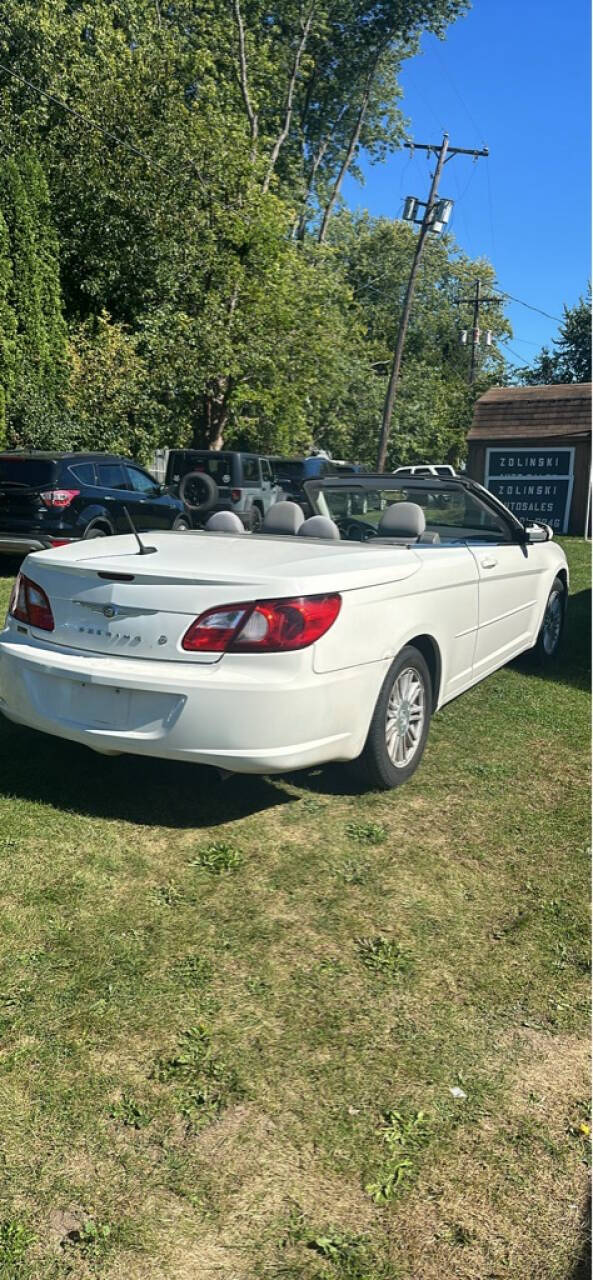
531 446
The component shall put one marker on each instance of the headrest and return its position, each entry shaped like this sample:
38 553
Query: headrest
283 517
403 520
319 527
224 522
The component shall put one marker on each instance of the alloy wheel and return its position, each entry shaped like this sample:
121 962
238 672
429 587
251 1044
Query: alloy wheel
405 717
552 624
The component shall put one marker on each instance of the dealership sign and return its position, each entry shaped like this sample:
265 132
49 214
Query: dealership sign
535 483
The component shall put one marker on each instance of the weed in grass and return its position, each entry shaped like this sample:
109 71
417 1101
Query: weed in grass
353 871
348 1255
404 1134
459 1235
93 1240
257 986
170 895
579 1127
128 1112
384 956
311 804
15 1239
193 971
366 832
209 1083
217 858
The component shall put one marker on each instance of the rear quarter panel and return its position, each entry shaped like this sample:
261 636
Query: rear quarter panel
439 600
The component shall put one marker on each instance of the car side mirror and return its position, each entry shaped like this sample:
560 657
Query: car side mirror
538 533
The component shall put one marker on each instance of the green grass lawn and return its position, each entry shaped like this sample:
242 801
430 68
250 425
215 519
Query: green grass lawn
232 1014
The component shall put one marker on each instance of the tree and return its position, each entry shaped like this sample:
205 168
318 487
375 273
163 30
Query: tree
434 405
571 361
35 346
7 327
215 289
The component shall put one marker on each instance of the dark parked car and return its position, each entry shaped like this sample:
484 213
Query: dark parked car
292 473
47 499
208 480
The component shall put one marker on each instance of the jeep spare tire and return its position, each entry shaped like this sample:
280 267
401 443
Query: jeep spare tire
199 491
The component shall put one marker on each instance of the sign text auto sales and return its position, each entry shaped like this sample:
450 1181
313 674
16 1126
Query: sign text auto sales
535 483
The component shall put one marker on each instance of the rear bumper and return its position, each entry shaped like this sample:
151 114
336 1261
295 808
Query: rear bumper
238 717
21 545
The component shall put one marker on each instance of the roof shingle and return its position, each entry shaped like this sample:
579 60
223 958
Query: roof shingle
505 413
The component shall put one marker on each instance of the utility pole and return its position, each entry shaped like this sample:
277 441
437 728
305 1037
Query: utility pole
477 300
429 222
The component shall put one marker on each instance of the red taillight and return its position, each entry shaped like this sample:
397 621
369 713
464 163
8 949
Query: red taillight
29 603
59 497
235 495
265 626
60 542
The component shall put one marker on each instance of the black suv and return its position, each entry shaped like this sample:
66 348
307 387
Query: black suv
47 499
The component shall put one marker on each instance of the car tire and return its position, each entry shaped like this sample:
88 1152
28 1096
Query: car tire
548 641
255 519
401 720
181 522
198 491
93 532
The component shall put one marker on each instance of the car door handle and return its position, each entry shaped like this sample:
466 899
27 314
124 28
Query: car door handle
488 562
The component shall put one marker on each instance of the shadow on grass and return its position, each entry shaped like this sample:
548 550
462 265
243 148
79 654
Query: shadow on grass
135 789
582 1270
573 666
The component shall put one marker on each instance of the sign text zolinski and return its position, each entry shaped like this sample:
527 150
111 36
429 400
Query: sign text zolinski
535 483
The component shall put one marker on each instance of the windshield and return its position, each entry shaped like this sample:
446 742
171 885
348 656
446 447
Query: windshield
288 468
32 472
455 514
217 465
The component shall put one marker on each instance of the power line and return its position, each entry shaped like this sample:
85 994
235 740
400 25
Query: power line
477 300
491 210
89 123
531 307
435 218
457 92
516 354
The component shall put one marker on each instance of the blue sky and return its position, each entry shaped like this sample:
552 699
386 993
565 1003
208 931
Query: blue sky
514 76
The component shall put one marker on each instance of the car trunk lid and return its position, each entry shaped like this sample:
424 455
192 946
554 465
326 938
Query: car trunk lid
117 601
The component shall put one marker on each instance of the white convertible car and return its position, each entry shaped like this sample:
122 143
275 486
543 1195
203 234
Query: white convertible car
322 639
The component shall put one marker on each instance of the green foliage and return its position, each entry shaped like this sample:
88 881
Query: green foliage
33 365
384 957
217 858
7 326
128 1112
404 1135
110 397
200 306
366 832
571 361
206 1084
93 1241
15 1239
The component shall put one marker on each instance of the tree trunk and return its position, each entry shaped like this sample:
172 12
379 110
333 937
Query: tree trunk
299 231
282 136
347 161
244 80
212 415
